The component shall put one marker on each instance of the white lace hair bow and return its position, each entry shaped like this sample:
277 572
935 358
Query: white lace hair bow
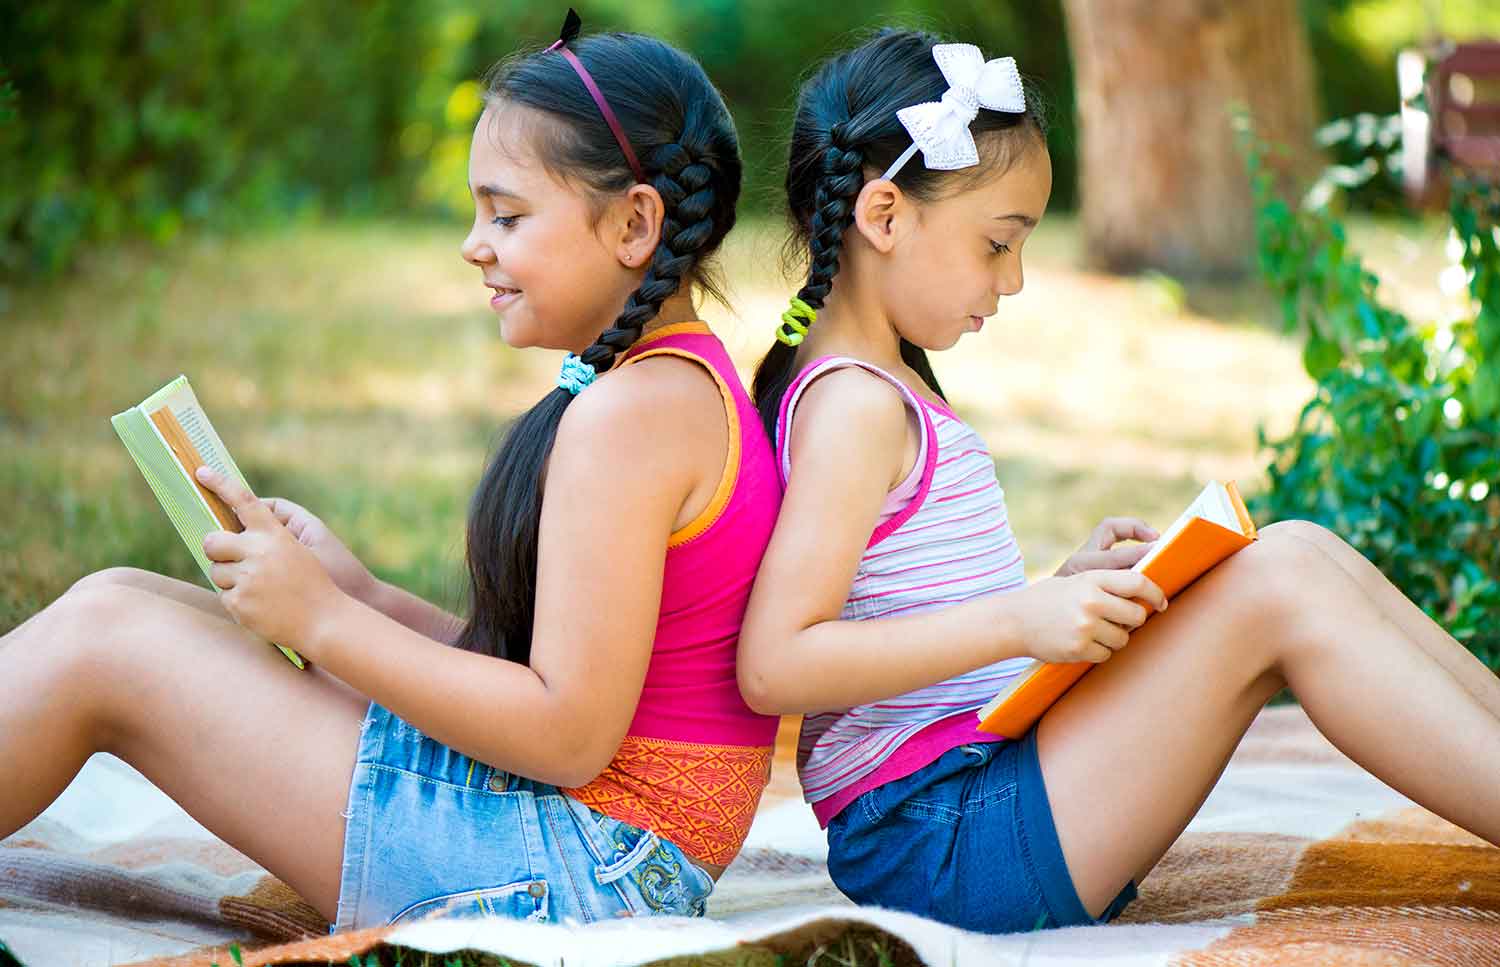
941 128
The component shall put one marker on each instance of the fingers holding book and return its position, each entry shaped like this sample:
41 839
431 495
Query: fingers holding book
1100 552
1086 617
271 583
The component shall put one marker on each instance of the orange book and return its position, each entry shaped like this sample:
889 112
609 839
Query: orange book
1215 526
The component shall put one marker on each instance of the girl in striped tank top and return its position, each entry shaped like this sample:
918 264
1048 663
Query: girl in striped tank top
892 602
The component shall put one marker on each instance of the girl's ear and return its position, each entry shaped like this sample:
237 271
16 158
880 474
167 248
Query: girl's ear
641 213
880 213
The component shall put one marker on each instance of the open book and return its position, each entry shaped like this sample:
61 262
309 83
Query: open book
1214 526
169 437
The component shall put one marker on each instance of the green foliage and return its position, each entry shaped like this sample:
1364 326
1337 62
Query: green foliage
1398 451
143 120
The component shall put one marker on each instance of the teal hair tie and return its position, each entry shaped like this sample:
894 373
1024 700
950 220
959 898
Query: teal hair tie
796 319
576 375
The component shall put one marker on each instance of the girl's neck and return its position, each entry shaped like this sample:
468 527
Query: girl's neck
681 307
853 323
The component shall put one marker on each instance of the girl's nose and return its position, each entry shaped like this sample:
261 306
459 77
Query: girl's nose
475 250
1011 278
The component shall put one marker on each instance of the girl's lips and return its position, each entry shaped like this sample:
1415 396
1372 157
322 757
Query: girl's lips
503 298
978 322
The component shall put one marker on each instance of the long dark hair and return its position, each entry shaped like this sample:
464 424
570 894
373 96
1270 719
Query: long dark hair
685 140
845 122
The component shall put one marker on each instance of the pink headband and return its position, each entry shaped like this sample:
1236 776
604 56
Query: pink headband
571 25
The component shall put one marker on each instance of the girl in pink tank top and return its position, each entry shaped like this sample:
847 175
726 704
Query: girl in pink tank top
696 758
575 748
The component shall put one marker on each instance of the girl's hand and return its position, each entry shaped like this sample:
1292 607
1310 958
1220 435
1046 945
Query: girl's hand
272 584
1099 553
351 576
1087 616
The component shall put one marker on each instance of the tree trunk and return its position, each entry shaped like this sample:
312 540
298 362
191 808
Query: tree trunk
1162 179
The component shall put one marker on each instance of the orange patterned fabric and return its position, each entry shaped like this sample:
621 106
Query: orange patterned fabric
700 797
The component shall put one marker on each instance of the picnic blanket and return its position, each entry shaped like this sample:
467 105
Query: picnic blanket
1298 857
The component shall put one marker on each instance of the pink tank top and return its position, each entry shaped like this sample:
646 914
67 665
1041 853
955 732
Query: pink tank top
696 757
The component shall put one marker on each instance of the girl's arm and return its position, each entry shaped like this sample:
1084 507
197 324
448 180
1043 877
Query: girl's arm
796 654
416 613
355 580
615 483
620 471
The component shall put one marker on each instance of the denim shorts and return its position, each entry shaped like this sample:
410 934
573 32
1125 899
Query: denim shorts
432 832
967 840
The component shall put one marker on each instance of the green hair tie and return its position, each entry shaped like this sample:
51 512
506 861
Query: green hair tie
797 319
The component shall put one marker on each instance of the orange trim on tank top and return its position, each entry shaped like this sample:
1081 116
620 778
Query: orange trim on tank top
694 328
698 525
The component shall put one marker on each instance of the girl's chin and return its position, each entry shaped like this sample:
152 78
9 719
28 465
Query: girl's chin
520 333
525 334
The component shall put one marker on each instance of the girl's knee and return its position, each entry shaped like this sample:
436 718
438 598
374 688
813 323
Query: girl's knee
1272 581
132 577
88 628
1303 530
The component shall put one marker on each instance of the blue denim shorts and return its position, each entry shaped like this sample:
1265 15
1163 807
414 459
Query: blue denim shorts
432 832
967 840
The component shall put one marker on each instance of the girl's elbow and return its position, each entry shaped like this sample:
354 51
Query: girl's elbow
759 691
592 753
578 766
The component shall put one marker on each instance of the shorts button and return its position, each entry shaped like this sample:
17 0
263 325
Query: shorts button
497 783
537 890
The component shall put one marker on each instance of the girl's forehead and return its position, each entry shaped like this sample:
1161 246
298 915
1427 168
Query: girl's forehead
1021 188
502 151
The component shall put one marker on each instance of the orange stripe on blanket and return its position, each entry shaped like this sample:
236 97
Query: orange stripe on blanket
700 797
1402 889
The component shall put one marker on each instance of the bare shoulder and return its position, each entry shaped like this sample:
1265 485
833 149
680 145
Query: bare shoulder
663 406
851 402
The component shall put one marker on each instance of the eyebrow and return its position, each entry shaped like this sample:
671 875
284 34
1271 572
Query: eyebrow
496 191
1026 220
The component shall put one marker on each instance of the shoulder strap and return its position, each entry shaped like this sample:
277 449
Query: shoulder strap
683 345
926 461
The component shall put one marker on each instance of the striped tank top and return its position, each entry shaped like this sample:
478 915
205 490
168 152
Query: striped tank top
696 758
944 537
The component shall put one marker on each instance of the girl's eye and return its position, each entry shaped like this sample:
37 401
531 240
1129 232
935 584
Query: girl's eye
505 221
999 247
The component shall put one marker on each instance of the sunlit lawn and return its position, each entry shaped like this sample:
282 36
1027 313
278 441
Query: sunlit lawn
355 368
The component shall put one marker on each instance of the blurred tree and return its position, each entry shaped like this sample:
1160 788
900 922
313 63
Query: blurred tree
1162 183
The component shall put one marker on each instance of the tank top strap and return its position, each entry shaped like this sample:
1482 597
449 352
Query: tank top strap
906 497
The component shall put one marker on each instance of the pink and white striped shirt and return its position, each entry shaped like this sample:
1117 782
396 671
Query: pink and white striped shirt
944 537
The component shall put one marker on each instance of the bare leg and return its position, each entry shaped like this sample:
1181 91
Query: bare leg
159 584
1461 663
182 592
255 750
1131 752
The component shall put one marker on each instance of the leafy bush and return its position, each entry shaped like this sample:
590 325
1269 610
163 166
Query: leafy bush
1398 451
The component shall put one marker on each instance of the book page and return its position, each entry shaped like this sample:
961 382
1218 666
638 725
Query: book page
178 421
178 396
1200 507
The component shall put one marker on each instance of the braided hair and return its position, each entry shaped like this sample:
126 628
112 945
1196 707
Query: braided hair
686 142
846 124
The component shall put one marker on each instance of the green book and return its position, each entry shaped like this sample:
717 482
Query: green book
169 437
